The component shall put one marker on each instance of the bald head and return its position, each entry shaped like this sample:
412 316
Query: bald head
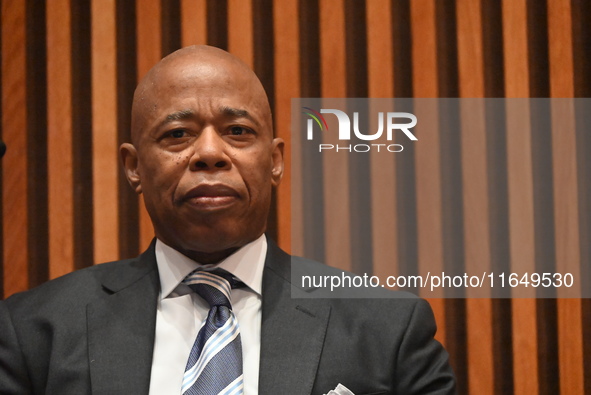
206 66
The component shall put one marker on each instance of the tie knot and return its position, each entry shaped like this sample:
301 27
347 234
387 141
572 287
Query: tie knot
213 287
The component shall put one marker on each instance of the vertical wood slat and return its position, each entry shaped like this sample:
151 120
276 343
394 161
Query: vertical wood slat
15 191
427 159
104 130
82 136
240 34
581 39
310 206
475 194
170 26
59 142
493 61
452 216
149 30
335 166
193 22
380 55
570 325
380 70
287 86
149 52
361 189
521 226
126 66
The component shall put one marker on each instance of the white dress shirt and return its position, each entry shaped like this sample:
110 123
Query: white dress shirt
181 312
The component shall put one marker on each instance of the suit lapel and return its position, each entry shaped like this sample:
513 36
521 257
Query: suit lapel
121 328
292 333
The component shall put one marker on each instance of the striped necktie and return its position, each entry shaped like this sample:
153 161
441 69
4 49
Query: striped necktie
215 362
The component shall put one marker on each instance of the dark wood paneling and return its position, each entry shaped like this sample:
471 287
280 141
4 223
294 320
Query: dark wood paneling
37 172
129 226
82 122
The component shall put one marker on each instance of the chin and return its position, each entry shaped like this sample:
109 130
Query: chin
209 236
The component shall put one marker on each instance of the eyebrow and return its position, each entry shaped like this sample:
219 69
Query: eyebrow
227 111
238 113
179 116
176 116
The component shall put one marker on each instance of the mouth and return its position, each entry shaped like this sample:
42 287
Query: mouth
211 196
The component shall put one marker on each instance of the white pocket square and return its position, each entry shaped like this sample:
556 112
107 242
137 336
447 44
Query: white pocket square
340 390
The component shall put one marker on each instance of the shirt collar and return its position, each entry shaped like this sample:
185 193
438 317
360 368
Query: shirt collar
246 264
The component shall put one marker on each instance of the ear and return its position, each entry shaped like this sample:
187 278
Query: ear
277 158
130 166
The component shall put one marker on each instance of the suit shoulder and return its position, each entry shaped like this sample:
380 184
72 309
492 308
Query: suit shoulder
73 288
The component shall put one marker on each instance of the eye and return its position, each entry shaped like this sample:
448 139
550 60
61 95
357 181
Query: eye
239 131
177 134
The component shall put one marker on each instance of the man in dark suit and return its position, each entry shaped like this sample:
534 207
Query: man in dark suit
204 157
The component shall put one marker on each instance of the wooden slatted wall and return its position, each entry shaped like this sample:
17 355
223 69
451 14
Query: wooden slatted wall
69 67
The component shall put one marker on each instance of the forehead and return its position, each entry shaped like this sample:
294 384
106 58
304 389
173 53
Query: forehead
203 86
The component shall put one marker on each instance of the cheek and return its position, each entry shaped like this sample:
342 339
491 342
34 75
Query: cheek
260 185
160 177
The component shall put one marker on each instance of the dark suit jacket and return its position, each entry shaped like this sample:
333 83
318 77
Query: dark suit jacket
92 331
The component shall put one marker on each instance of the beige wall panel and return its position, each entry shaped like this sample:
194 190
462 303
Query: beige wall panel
193 22
380 65
560 46
475 194
427 160
149 52
105 158
332 48
59 139
14 164
380 57
566 216
424 49
335 164
521 217
287 86
240 25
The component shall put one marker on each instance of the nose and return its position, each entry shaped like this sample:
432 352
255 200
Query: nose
209 152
